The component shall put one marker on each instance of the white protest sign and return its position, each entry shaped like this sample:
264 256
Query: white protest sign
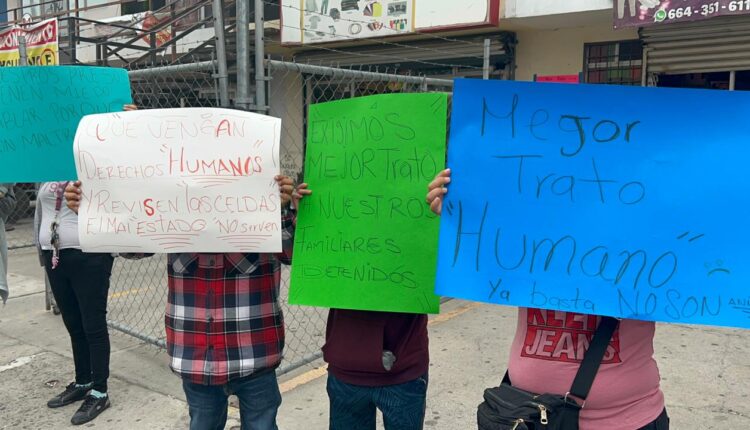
179 180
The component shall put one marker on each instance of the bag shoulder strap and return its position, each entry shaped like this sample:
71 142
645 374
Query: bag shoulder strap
592 359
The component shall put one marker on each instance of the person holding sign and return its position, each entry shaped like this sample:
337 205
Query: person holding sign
80 285
549 346
225 329
7 204
376 360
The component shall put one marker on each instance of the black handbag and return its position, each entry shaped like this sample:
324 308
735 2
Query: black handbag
509 408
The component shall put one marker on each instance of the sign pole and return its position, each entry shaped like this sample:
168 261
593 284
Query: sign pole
23 61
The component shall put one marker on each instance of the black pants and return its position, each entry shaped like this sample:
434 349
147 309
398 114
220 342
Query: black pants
661 423
80 284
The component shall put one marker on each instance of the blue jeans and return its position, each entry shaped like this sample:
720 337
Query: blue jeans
259 398
353 407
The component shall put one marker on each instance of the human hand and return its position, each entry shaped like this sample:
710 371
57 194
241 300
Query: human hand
73 195
437 189
286 188
290 193
128 108
299 193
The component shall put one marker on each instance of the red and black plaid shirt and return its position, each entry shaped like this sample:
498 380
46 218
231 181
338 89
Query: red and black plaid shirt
223 317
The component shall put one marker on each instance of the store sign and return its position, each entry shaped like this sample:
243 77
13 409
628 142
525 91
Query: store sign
41 45
558 79
326 21
640 13
319 21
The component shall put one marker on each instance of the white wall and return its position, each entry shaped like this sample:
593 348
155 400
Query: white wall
530 8
291 18
441 13
560 51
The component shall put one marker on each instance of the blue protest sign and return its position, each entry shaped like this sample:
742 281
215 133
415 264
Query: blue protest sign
622 201
40 108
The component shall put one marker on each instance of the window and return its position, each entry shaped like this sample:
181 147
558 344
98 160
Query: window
613 63
31 7
132 7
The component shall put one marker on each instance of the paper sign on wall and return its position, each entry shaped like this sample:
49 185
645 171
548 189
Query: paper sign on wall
179 180
40 108
365 238
621 201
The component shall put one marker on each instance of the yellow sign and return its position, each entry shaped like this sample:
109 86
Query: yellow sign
41 45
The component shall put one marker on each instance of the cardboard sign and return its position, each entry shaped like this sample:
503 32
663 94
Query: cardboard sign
599 200
39 111
365 238
179 180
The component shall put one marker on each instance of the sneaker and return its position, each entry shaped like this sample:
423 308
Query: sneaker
71 395
91 408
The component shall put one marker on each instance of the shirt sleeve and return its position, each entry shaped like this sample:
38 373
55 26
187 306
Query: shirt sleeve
288 224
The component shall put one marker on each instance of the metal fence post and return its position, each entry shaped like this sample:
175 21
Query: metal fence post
260 79
23 61
72 40
242 99
486 66
221 53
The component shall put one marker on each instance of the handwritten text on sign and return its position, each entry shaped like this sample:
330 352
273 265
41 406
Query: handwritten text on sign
366 239
179 180
599 200
39 111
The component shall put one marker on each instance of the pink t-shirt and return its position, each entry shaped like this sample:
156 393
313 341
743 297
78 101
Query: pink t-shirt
548 349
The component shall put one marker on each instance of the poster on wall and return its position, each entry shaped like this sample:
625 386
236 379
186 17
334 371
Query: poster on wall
41 45
338 20
434 15
320 21
640 13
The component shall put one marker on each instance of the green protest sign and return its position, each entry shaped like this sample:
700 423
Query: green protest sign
365 238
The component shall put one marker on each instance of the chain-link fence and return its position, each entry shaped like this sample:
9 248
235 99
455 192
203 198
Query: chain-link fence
19 227
139 288
138 294
292 89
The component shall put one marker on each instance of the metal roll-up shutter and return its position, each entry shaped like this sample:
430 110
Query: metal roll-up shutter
713 45
444 50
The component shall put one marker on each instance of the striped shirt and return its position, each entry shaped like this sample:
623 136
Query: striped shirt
223 317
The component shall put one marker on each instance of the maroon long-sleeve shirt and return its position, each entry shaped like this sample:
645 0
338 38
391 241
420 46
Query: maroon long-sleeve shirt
356 340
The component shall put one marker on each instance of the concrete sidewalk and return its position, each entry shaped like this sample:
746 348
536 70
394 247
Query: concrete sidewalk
706 373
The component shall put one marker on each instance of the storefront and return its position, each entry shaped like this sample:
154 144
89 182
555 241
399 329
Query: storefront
712 54
693 43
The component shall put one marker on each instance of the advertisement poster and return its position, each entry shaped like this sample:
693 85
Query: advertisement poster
41 45
640 13
337 20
